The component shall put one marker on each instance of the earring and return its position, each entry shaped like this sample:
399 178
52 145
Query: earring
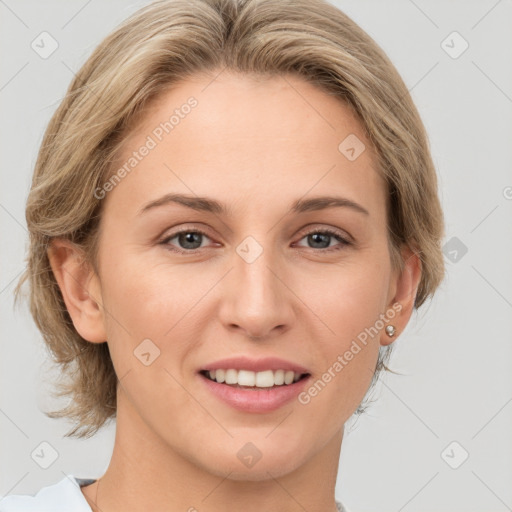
390 330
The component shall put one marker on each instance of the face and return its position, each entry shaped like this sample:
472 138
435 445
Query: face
244 265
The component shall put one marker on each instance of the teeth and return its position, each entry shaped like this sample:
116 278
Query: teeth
219 375
246 378
231 377
279 377
265 379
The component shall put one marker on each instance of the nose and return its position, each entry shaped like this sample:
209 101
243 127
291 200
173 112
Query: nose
256 299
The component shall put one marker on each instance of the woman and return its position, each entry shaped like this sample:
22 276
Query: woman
233 214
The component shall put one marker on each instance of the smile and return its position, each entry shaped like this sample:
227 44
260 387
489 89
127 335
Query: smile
244 390
253 380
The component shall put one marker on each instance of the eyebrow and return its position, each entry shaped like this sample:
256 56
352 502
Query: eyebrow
205 204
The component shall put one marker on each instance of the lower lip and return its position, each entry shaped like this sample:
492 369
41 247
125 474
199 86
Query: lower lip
259 400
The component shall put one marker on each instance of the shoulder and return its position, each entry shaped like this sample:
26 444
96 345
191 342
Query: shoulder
63 496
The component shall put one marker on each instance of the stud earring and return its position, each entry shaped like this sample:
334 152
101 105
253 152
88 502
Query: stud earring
390 330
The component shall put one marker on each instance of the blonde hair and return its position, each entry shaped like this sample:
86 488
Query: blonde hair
171 40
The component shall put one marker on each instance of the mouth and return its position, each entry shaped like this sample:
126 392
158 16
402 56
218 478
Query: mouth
255 380
254 385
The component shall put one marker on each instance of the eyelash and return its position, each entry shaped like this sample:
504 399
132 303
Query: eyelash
326 231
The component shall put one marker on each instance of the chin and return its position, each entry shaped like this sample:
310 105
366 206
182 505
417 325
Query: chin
260 472
270 462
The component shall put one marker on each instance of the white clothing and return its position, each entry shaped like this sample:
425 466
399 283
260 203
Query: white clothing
64 496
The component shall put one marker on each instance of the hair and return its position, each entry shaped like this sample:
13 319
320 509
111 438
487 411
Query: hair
160 45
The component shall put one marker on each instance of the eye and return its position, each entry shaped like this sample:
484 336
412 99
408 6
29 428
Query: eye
321 239
190 239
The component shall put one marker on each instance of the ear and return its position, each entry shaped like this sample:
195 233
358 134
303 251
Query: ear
404 287
80 288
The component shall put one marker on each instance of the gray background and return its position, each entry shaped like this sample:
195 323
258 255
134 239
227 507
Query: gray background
456 353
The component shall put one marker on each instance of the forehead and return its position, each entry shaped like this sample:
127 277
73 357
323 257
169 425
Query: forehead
237 136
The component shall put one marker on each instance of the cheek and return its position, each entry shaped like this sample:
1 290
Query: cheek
150 298
150 309
351 306
352 296
357 304
150 295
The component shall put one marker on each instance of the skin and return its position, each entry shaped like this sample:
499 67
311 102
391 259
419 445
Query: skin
255 145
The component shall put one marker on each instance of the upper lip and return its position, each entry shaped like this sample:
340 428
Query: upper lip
255 365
